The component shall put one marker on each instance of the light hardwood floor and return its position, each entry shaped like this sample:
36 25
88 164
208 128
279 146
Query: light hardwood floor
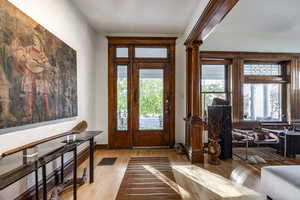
109 178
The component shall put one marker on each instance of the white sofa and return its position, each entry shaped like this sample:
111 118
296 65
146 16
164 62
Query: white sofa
281 182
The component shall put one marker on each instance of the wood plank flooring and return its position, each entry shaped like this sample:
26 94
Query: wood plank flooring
108 178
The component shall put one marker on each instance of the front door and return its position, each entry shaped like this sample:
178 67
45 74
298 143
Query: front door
151 107
141 92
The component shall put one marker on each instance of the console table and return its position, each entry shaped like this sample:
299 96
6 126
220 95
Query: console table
14 167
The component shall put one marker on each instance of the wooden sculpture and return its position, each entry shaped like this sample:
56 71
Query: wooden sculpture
214 148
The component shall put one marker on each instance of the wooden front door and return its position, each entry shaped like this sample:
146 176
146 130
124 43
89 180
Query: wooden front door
151 104
141 92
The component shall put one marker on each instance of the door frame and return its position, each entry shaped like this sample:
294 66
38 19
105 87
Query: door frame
124 139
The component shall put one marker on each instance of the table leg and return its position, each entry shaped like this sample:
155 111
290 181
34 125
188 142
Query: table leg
36 171
44 176
75 174
247 147
285 146
62 169
91 159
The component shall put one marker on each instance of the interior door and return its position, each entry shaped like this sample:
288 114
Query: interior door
151 104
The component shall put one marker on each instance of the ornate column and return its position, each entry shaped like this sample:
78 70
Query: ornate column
194 123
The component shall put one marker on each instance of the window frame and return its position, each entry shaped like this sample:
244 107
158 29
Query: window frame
267 79
226 91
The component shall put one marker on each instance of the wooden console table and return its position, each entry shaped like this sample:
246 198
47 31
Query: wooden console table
14 167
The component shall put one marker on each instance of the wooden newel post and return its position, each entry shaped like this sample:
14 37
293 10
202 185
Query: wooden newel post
194 122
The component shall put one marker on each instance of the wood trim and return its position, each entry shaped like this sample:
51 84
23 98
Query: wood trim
110 94
255 56
101 146
214 13
141 40
216 62
237 89
264 79
172 56
263 62
295 89
30 193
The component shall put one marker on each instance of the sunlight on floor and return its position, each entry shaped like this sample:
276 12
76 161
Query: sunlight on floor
185 194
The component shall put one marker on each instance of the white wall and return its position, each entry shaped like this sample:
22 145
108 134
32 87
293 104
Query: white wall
62 19
101 88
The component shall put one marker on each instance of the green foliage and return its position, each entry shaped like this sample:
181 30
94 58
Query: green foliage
151 96
122 95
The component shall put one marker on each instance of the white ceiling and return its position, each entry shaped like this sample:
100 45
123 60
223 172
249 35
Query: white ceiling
138 16
258 25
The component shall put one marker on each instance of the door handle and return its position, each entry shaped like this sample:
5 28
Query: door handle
168 107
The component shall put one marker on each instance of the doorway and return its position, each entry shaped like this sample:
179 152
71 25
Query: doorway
141 92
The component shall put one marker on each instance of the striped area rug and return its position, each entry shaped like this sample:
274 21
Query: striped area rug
148 178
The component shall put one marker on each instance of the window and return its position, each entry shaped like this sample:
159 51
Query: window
122 96
262 102
151 52
262 70
122 52
213 84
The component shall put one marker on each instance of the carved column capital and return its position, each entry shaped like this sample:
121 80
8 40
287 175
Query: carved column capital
195 44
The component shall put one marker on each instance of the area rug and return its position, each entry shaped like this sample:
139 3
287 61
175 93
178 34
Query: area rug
268 154
148 178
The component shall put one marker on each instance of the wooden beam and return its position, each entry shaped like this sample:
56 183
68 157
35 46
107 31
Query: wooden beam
213 14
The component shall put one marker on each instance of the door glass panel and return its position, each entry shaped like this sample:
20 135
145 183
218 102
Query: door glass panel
151 99
122 52
151 52
122 100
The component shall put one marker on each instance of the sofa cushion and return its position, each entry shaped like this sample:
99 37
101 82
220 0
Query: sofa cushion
289 173
281 182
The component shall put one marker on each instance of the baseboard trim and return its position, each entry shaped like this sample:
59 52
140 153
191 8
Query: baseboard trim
101 146
30 193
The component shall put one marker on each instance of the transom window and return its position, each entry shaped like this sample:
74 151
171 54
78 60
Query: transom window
151 52
262 69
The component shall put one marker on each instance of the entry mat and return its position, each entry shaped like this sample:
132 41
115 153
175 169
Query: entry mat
107 161
148 178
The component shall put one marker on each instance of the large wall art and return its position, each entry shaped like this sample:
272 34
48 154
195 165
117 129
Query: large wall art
38 72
